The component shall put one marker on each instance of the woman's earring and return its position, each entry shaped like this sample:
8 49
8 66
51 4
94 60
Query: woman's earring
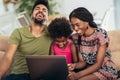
86 27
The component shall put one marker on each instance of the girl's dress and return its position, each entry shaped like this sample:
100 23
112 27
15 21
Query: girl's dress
64 52
89 48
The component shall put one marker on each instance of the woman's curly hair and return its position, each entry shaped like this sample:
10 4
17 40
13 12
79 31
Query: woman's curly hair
59 27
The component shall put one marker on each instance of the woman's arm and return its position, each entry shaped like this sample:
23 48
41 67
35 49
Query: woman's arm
97 65
7 59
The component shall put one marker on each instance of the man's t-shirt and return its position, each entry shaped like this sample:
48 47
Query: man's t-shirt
27 45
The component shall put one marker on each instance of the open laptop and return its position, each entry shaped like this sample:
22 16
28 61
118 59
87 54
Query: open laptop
47 67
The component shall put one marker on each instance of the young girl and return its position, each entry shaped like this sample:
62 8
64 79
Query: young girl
93 46
60 30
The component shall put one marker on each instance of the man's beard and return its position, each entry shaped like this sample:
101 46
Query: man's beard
39 22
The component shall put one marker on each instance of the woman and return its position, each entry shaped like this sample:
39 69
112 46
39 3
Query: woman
92 43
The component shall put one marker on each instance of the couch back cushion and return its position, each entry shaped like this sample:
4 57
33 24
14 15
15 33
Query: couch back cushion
114 40
115 46
3 43
116 59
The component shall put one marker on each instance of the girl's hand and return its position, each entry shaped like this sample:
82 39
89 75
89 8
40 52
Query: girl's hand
71 67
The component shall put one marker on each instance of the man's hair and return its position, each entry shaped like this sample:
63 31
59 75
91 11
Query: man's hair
59 27
44 2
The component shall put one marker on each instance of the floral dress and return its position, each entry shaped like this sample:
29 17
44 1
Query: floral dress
89 48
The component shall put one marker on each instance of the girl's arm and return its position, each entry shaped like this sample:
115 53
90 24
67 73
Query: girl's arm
51 52
7 59
81 64
98 63
77 64
74 53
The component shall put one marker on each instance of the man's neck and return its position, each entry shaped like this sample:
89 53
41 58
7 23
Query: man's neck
36 29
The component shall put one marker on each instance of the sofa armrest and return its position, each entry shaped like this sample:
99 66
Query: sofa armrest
3 43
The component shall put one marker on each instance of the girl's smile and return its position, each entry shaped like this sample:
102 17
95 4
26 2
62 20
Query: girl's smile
61 42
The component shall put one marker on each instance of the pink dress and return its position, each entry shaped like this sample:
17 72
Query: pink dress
65 52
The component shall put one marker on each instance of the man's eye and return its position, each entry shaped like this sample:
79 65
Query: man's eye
44 10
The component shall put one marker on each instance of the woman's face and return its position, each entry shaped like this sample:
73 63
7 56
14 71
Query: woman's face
79 26
61 42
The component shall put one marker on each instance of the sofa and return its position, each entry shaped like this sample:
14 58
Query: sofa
114 46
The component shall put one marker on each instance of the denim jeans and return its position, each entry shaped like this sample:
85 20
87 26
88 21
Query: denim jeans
24 76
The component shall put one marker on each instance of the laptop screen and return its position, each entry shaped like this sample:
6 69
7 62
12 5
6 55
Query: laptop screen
47 67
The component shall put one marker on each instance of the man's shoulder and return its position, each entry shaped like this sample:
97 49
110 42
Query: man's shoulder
22 28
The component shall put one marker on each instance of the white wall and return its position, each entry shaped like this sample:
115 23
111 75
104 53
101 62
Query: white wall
117 13
7 19
97 7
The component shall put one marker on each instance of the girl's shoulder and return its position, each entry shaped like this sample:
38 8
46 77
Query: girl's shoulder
70 43
74 37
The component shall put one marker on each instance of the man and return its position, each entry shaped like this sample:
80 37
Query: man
32 40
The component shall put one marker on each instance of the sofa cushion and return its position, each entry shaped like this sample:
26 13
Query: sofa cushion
114 40
118 79
115 56
3 43
115 46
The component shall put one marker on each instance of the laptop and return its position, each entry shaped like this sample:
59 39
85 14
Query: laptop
47 67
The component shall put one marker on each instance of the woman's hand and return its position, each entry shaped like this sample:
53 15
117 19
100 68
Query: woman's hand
73 76
71 67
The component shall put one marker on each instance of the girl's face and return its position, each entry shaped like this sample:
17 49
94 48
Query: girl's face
61 42
79 26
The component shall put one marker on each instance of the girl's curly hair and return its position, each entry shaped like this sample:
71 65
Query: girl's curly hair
59 27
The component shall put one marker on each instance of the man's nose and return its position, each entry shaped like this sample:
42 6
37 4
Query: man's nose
40 10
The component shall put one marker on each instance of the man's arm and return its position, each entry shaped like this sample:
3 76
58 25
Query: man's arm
7 59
